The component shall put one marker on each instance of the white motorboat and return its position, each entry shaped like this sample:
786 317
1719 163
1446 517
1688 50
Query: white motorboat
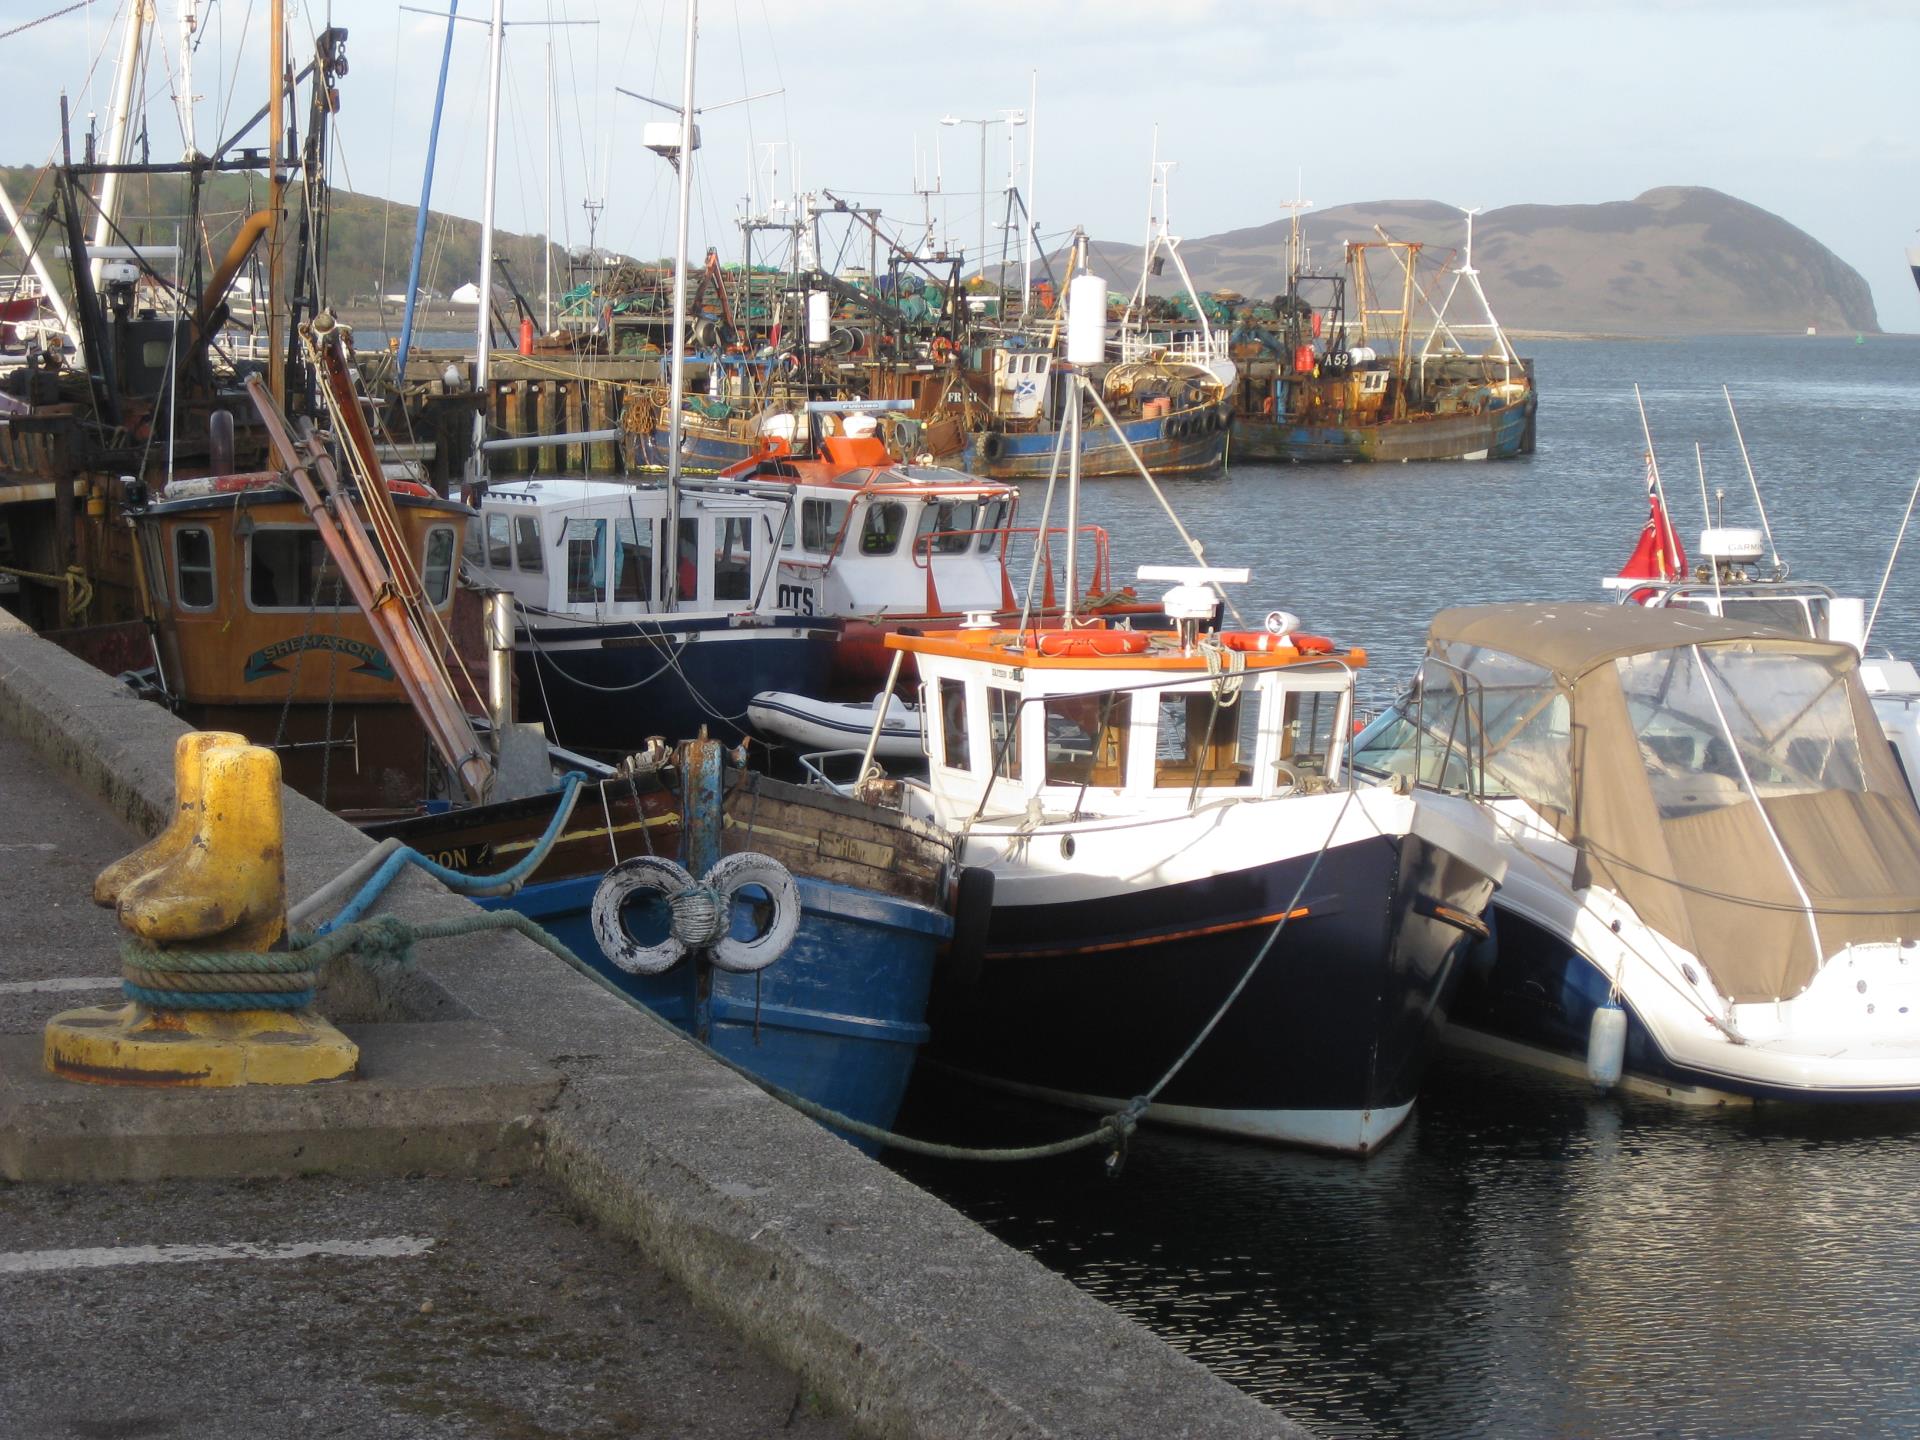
1713 879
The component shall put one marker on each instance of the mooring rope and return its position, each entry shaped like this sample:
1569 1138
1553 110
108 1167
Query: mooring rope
390 940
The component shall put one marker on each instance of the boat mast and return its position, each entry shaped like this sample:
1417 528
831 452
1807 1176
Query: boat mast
426 197
189 23
1026 209
677 387
276 197
483 343
120 126
546 237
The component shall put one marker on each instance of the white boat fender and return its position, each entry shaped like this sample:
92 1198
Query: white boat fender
650 875
701 913
735 873
1606 1045
972 910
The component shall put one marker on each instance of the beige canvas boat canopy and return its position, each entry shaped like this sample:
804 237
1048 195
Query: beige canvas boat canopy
1729 781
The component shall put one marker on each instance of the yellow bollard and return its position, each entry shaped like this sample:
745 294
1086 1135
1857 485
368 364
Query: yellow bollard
189 755
213 884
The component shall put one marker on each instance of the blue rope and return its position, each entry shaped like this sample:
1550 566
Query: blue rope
465 884
217 999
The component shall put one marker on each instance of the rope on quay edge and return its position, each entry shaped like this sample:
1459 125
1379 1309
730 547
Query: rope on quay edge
287 980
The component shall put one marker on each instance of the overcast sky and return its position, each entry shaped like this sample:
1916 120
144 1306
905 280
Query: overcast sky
1805 109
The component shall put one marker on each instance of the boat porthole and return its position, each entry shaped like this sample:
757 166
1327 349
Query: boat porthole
1066 847
1687 970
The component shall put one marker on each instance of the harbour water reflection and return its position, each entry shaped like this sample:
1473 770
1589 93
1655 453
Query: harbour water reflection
1526 1259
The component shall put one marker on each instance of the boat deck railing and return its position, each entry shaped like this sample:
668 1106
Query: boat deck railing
1187 348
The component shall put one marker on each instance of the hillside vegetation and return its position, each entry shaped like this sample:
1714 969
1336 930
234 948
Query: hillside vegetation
368 248
1674 261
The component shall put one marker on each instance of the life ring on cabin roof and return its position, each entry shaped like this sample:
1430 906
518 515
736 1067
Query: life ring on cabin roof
943 349
1263 642
1063 644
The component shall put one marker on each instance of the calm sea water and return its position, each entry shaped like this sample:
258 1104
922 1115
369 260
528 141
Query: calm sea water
1525 1258
1367 553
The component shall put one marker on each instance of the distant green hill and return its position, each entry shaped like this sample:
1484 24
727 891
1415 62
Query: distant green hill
368 245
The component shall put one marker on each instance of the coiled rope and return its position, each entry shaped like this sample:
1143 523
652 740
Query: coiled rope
78 587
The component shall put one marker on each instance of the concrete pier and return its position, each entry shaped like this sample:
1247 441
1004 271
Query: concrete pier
800 1287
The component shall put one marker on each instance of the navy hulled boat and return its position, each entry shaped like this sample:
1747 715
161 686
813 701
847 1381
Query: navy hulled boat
1152 808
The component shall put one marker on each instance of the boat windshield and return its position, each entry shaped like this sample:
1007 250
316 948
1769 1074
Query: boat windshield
1479 720
1718 724
1804 615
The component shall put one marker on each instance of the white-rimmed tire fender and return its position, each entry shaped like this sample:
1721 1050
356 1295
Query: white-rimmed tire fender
734 873
642 875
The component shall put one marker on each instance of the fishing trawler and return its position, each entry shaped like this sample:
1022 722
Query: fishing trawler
621 633
1346 382
1181 857
887 545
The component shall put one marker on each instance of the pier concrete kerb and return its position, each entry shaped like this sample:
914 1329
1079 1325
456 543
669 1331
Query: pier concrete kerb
900 1311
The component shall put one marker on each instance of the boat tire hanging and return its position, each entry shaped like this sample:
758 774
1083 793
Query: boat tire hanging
992 445
735 873
644 875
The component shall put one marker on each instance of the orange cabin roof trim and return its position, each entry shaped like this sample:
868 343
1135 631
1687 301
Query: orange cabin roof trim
1023 648
844 452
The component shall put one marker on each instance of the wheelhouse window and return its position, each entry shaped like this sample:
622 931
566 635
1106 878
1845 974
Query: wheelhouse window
1003 730
526 544
1307 730
880 531
993 519
436 566
687 561
949 523
820 524
499 542
955 752
1087 739
193 567
733 557
632 562
586 542
1198 739
288 568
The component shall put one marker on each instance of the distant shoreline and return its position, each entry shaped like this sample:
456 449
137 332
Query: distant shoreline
370 320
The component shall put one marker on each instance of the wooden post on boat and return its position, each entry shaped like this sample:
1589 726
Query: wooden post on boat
702 819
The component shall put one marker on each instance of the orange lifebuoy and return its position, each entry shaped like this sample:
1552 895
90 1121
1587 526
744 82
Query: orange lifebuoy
943 348
1059 644
1264 642
1258 642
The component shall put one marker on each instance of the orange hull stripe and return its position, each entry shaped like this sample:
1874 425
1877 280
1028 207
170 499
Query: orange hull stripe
1136 943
